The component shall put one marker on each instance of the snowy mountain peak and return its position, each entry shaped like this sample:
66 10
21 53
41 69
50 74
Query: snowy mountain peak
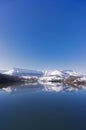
9 72
70 73
53 73
46 75
23 72
26 72
65 76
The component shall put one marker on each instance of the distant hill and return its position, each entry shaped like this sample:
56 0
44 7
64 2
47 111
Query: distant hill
9 79
30 76
23 72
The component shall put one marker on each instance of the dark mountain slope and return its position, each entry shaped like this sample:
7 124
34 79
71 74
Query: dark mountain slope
9 79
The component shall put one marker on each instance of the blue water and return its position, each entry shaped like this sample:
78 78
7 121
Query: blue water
34 108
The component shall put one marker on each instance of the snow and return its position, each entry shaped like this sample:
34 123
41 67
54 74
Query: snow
49 78
28 77
23 72
81 79
49 73
53 73
58 75
10 72
68 73
43 76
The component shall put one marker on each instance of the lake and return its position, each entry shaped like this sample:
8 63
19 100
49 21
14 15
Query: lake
42 107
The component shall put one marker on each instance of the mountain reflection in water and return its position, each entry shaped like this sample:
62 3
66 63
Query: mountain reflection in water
47 106
35 87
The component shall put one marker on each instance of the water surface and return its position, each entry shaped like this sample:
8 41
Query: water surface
42 107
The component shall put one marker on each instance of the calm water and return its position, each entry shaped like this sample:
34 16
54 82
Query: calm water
38 107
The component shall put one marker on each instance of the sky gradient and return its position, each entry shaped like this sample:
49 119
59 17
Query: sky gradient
43 34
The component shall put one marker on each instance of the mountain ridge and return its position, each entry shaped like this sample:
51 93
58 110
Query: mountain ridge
66 76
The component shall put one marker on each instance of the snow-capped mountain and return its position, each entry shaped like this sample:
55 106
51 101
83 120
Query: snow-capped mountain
65 76
57 75
51 76
23 72
80 79
26 72
68 73
53 73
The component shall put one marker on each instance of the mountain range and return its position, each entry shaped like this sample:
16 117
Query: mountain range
65 76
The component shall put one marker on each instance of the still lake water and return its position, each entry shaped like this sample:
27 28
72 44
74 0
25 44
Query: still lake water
42 107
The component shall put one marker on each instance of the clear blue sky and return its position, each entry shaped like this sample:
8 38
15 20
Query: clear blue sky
43 34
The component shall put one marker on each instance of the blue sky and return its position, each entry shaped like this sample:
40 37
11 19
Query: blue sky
43 34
